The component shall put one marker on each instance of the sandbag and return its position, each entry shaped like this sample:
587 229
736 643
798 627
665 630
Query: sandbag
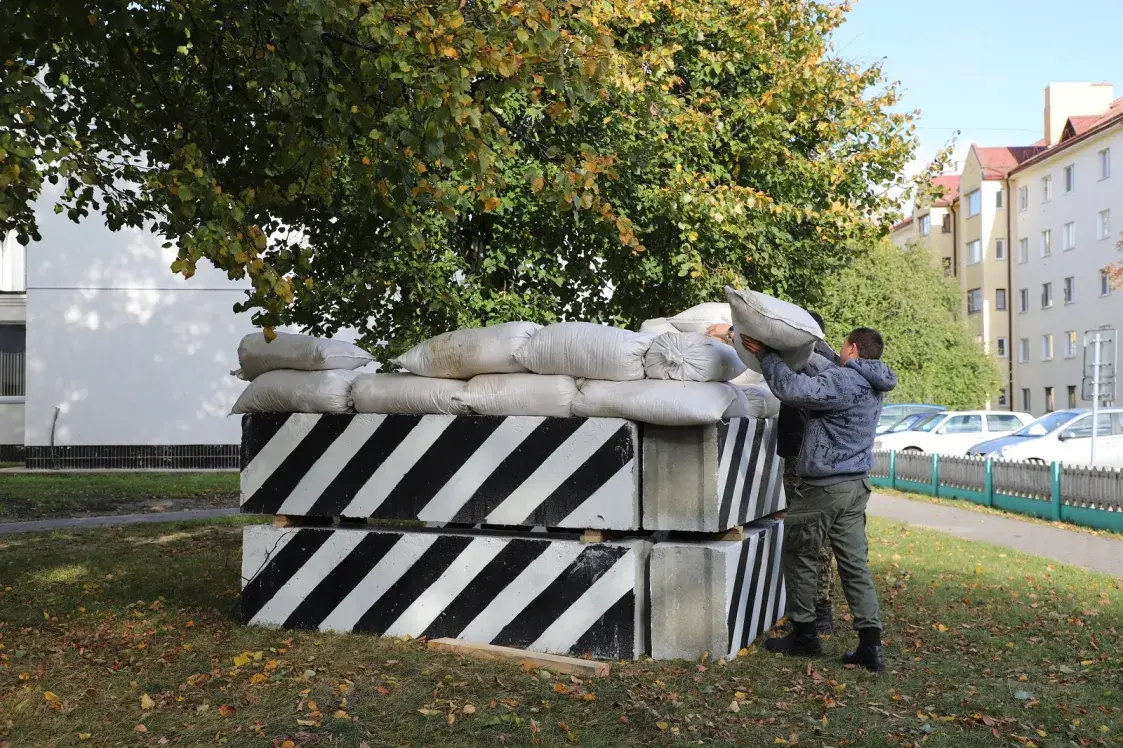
520 395
463 354
748 378
690 357
753 402
585 350
287 391
699 317
659 325
408 393
256 355
782 326
661 402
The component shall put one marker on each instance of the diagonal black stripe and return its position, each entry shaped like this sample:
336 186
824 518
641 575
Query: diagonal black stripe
535 449
593 563
279 569
753 574
738 600
777 540
257 430
777 487
613 635
722 433
499 573
764 573
268 498
731 474
358 470
583 482
750 473
339 582
437 466
412 584
768 453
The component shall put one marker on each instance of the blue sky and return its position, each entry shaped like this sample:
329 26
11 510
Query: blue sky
981 66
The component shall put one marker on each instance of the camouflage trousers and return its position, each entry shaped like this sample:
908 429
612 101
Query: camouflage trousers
824 584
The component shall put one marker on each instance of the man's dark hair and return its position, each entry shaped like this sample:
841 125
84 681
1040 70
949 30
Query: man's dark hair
819 320
869 342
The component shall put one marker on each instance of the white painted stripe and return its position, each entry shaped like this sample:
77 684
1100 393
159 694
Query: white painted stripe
739 497
483 462
424 610
563 633
378 580
301 584
755 605
394 468
758 478
276 451
259 544
311 487
777 577
554 471
744 605
536 577
613 506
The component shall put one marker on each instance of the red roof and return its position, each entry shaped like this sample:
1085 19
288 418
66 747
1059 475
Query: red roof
1077 129
1000 161
1079 125
901 224
950 189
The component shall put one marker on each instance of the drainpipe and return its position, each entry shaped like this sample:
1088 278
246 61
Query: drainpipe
1010 250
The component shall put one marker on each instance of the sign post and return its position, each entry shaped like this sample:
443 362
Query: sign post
1099 373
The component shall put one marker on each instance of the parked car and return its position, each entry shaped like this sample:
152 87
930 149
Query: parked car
1064 436
894 413
907 423
952 432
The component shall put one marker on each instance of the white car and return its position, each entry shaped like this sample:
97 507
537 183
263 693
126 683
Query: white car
1064 436
952 433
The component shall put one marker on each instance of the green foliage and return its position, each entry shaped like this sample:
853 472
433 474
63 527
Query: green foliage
407 167
903 294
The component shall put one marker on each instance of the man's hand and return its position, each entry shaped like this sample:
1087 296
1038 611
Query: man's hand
721 331
752 345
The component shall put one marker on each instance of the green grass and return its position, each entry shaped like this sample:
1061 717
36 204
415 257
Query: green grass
27 496
986 647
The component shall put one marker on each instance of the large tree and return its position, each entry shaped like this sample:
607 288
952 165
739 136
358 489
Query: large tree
410 166
905 295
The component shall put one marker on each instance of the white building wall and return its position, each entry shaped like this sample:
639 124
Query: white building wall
1088 309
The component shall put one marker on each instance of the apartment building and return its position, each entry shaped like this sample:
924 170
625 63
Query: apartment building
932 223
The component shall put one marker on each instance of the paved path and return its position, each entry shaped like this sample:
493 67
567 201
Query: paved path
1067 546
84 523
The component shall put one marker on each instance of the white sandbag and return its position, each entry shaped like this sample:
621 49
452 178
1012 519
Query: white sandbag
585 350
286 391
782 326
462 354
521 395
753 402
659 325
661 402
748 378
256 355
699 317
691 357
408 393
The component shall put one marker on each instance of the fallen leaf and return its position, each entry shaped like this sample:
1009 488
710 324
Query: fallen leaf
451 719
227 711
740 695
1022 695
383 691
140 728
84 736
162 741
241 660
340 714
307 723
734 706
661 725
288 744
468 709
147 703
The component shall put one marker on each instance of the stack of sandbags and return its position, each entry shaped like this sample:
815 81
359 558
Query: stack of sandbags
297 374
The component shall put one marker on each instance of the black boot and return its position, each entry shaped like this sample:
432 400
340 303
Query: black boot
824 618
868 654
802 642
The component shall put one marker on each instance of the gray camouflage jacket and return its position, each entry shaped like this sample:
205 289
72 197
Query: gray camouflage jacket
843 402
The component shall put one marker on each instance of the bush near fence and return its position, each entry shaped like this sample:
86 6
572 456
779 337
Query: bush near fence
1086 496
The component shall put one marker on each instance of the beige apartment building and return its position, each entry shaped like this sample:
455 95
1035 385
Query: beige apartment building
932 224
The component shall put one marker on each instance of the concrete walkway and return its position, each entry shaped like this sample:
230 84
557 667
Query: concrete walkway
1067 546
87 523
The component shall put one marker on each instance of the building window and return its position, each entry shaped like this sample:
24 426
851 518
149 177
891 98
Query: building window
1070 178
1046 295
1070 289
1050 406
975 301
1046 242
1026 400
1023 350
1068 235
1000 299
1023 251
945 224
1002 398
946 262
1023 198
1105 283
1000 198
13 350
1046 188
925 224
1070 344
1105 163
974 203
1023 300
1047 347
1000 250
1103 224
1003 346
1072 396
974 252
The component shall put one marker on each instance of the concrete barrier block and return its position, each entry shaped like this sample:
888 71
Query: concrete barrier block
716 596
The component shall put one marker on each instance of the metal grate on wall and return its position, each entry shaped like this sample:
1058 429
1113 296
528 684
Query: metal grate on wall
135 457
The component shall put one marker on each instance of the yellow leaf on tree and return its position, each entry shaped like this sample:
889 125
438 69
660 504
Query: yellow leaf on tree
450 52
491 204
